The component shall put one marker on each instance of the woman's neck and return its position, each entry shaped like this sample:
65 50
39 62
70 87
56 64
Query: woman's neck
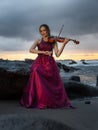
45 38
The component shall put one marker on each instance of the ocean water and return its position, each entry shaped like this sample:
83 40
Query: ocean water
88 71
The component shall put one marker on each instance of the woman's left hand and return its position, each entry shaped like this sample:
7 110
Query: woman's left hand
48 53
66 40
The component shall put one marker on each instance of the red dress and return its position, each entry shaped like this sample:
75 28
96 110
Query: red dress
45 88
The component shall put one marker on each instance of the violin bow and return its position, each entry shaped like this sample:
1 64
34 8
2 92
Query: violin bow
60 30
77 42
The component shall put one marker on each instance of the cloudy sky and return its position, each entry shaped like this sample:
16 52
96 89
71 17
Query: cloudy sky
20 21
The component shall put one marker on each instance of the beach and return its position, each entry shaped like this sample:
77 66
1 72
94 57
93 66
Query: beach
15 117
83 117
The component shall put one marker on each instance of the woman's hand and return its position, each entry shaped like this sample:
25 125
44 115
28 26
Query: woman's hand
49 53
66 41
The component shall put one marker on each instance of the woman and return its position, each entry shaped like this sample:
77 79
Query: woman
45 88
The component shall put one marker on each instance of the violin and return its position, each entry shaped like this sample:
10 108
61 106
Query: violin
53 39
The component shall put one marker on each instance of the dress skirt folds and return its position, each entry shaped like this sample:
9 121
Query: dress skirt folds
45 88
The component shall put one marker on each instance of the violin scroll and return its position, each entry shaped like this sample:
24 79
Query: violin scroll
75 41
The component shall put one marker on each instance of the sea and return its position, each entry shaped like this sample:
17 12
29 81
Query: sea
87 71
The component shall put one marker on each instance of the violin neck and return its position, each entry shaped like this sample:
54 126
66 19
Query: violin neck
72 40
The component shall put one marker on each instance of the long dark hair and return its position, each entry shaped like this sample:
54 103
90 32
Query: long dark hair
47 28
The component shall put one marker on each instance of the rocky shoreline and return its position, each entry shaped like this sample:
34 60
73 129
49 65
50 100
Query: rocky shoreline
14 76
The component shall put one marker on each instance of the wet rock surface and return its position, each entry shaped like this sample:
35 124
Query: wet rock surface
27 122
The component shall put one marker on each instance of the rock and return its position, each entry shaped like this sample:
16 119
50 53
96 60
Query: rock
68 68
73 62
12 84
29 61
79 90
59 65
83 61
75 78
97 81
87 102
28 122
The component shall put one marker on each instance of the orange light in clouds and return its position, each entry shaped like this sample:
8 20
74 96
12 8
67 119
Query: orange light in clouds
17 55
25 55
79 56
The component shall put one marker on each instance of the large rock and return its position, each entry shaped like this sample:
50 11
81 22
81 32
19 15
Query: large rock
77 89
11 84
66 68
29 122
75 78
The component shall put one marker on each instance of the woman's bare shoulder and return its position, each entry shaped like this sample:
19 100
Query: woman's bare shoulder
38 41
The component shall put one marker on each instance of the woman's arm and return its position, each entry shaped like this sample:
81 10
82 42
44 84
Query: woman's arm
59 51
34 50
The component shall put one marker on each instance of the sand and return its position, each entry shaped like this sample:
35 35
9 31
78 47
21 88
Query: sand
15 117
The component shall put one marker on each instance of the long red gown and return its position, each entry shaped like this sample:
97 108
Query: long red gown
45 88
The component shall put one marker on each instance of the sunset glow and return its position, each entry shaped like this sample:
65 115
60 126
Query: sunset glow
27 55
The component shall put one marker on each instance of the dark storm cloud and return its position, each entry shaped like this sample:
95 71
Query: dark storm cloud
21 18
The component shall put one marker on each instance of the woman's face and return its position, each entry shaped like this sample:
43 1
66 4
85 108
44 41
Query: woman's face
43 31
